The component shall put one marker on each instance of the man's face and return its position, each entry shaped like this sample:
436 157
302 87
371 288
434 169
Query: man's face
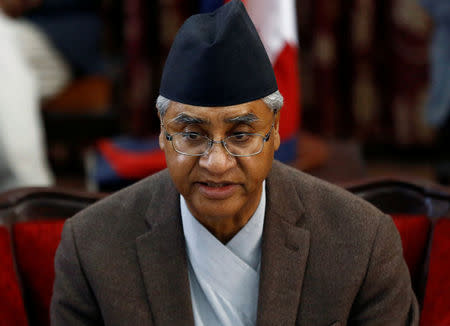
219 186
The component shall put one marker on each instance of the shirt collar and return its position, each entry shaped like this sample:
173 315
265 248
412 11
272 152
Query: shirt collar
246 244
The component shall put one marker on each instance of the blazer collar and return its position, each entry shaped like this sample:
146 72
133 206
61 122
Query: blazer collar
163 261
285 249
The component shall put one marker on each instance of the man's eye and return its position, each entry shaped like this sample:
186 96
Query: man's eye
191 136
240 137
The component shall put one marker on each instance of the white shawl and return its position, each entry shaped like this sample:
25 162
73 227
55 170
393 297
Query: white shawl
224 279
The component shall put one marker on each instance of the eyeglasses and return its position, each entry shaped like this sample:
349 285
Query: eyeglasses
195 144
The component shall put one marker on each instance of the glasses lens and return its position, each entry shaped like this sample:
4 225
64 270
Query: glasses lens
190 143
245 144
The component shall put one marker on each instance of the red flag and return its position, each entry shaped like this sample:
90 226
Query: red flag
276 22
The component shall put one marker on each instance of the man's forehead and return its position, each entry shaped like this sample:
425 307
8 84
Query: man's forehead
246 112
190 118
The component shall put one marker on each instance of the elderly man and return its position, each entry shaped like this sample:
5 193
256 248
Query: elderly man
226 236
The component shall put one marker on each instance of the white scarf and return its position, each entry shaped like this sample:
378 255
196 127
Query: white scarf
224 279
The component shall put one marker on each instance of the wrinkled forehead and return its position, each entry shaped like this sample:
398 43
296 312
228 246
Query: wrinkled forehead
255 111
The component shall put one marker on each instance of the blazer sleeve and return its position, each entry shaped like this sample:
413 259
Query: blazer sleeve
386 296
73 302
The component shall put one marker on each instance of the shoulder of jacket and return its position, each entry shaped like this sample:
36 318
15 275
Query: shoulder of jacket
126 204
324 199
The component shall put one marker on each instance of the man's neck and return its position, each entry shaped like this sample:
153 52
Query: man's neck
224 229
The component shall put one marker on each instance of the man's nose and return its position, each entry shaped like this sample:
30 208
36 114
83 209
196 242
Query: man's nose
218 160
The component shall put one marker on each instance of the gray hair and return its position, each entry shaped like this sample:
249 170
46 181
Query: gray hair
274 101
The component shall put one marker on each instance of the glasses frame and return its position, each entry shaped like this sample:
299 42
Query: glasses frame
211 142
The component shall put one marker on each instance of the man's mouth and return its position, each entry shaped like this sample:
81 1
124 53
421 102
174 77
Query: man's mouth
217 190
216 185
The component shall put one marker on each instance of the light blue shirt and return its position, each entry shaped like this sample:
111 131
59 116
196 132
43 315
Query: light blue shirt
224 279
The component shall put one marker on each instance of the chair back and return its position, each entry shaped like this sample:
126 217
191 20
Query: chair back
422 216
31 221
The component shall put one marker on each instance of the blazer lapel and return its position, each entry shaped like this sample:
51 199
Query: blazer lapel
163 262
285 250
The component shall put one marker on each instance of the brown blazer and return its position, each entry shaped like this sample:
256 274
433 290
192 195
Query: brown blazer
328 258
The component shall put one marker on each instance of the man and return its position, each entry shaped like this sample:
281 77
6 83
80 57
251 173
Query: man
226 236
23 159
40 44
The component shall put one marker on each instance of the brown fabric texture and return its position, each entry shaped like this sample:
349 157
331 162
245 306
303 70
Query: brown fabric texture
328 258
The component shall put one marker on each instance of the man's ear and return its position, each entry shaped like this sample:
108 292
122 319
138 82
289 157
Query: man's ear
276 131
161 140
161 135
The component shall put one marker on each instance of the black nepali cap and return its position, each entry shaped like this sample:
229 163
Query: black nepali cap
218 59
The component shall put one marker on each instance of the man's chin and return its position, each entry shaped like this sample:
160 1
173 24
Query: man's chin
208 209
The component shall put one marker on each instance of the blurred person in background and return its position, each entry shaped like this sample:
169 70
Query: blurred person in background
22 148
45 44
438 107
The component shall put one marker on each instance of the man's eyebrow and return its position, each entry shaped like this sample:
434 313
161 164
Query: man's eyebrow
247 118
187 119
